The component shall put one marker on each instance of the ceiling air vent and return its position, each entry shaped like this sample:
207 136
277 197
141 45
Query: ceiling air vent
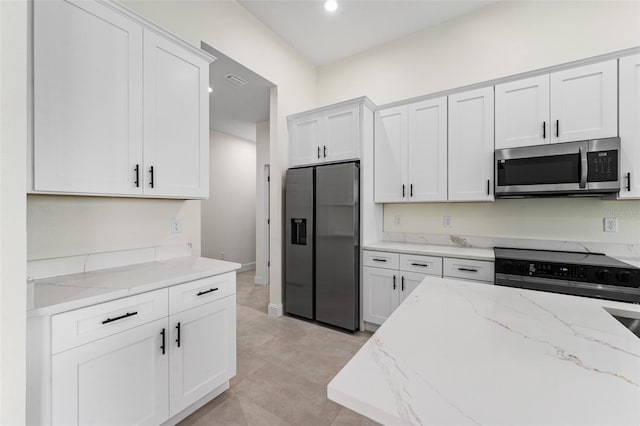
235 79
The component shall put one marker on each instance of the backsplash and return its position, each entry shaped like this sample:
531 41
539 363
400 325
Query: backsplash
573 224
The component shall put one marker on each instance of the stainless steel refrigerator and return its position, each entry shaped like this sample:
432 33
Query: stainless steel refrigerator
322 244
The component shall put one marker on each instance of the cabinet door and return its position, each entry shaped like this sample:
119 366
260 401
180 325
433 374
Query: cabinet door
341 135
522 113
304 140
119 380
426 156
630 127
471 145
380 294
87 99
176 120
390 155
408 282
206 355
584 102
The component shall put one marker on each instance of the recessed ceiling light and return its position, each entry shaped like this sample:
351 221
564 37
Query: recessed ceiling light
330 5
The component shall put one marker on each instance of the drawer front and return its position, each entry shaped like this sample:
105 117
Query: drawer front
199 292
477 270
431 265
75 328
381 259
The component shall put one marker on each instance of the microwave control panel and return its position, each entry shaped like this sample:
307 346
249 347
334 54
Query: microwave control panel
603 166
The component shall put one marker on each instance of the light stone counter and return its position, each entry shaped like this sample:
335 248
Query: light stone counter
67 292
433 250
464 353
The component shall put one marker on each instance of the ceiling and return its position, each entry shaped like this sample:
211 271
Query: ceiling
323 37
233 105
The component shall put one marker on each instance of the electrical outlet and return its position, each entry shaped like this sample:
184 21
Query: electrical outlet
176 225
396 219
221 255
610 224
447 222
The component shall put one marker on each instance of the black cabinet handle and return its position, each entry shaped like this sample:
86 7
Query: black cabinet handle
544 130
629 181
403 190
318 152
127 315
178 339
379 260
467 269
394 282
557 128
403 283
488 186
137 170
324 150
163 334
207 291
151 181
411 190
424 265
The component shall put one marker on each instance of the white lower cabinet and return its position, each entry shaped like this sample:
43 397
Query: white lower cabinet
205 357
380 295
408 282
118 380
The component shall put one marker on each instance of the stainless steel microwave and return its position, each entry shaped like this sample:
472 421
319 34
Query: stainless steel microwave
572 168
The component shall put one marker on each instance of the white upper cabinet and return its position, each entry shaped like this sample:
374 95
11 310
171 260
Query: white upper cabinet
342 134
113 98
411 152
522 113
390 154
87 99
176 120
630 127
471 145
326 135
584 102
426 153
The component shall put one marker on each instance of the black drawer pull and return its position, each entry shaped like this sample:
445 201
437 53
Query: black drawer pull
411 190
318 152
178 339
137 170
211 290
162 333
403 190
424 265
127 315
467 269
544 130
379 260
557 128
403 283
629 181
394 282
151 172
324 149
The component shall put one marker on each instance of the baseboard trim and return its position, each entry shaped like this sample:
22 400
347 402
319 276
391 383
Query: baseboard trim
275 310
247 267
260 281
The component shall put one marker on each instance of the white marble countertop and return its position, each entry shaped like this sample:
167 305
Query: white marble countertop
58 294
433 250
464 353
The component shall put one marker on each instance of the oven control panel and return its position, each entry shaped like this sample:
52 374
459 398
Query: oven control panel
582 273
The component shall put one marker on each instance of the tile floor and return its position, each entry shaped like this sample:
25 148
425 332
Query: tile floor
284 366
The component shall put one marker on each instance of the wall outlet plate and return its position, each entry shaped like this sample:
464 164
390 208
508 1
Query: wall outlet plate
176 225
610 224
447 222
397 219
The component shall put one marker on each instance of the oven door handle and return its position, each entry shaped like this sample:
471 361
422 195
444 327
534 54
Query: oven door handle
583 168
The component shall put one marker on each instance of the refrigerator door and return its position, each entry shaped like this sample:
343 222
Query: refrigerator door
337 244
298 290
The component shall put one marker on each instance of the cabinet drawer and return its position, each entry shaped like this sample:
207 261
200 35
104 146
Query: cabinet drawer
477 270
380 259
75 328
196 293
431 265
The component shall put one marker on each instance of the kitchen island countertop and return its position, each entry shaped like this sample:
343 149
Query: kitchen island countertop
464 353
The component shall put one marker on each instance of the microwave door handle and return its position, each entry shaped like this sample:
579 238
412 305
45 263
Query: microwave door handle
583 168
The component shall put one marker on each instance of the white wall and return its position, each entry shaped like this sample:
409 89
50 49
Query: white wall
500 40
229 215
262 228
13 267
69 225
